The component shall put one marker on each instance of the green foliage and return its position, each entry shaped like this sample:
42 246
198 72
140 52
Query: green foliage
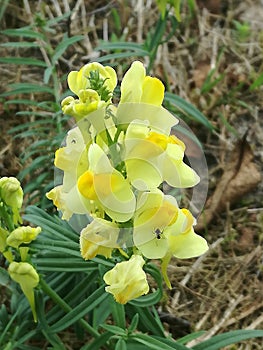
71 292
43 132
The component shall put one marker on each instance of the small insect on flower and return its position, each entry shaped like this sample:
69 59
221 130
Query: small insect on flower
157 233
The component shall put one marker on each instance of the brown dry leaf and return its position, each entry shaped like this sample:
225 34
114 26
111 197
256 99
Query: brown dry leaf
200 73
240 177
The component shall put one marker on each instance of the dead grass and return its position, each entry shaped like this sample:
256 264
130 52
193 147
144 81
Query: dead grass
221 290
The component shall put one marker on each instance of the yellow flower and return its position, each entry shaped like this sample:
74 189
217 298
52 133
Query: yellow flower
141 98
162 230
127 280
12 194
106 186
183 242
137 87
98 238
80 80
152 157
154 215
73 160
22 234
25 274
94 85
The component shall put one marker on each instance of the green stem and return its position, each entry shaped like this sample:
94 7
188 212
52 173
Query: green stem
7 217
64 306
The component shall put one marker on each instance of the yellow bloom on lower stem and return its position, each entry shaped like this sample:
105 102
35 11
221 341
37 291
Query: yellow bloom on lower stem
127 280
25 274
98 238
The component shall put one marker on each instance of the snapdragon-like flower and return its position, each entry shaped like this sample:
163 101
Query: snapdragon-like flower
152 157
73 160
94 85
25 274
141 98
105 185
163 230
137 87
99 238
127 280
154 215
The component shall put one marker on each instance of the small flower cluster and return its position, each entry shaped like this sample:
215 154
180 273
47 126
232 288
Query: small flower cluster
14 238
115 163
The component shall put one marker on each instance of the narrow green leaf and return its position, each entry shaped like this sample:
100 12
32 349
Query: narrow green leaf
23 60
24 32
156 344
63 45
98 343
134 323
188 109
121 345
113 329
47 74
117 55
81 310
20 44
50 336
118 313
190 337
147 320
125 46
24 88
219 341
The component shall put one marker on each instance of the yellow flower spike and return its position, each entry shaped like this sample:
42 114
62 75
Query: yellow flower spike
22 234
127 280
98 238
12 194
25 274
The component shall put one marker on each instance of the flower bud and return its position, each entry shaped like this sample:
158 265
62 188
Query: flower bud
23 234
25 274
12 194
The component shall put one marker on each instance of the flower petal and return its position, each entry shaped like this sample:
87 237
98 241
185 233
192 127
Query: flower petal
153 91
127 280
131 86
187 245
